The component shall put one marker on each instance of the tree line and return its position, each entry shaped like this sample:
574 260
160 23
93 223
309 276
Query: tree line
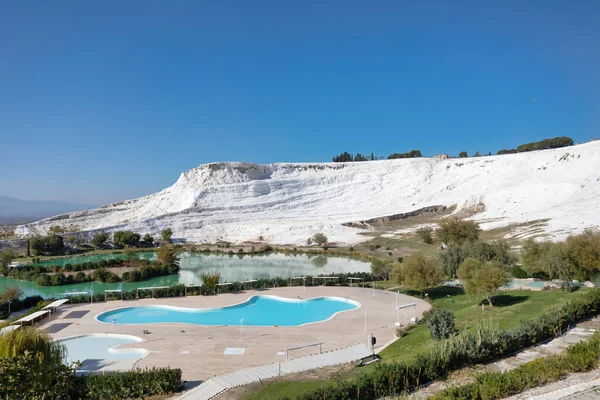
485 267
553 143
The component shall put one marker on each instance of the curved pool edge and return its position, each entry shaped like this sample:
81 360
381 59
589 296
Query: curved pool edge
112 350
285 299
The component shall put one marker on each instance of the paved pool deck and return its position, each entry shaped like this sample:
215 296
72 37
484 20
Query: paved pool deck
199 350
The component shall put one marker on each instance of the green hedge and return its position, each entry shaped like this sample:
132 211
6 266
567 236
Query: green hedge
136 384
484 344
580 357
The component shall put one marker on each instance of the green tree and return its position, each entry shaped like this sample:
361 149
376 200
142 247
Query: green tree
558 263
451 258
148 239
426 234
126 238
99 239
320 239
71 240
167 256
418 273
482 279
532 255
584 253
10 293
166 234
463 154
381 269
6 257
457 231
31 365
52 244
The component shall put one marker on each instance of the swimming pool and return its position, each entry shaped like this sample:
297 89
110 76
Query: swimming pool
256 311
101 347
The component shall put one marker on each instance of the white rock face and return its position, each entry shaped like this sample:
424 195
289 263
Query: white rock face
287 203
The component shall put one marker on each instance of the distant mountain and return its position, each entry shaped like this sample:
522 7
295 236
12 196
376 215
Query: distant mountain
17 211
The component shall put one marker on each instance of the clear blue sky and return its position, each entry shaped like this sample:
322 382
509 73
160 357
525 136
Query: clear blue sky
107 100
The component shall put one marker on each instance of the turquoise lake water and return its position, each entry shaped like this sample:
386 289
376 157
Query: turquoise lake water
257 311
232 268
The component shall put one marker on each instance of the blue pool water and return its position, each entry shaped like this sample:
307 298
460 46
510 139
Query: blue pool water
100 347
256 311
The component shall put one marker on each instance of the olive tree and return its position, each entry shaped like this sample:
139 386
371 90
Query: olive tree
320 238
418 273
482 279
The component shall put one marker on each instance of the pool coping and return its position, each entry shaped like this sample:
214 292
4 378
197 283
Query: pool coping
136 350
284 299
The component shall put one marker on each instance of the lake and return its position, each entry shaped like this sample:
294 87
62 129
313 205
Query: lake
232 267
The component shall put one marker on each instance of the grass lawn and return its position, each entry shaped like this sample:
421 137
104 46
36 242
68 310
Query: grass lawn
510 309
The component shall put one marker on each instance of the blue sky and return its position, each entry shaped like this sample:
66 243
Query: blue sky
107 100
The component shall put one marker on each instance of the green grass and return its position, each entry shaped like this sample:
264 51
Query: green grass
510 309
290 389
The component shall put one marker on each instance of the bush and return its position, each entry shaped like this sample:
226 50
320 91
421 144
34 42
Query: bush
133 384
463 154
518 272
579 357
426 234
440 322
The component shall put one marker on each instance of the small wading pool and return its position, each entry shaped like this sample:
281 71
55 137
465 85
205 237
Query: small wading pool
256 311
101 347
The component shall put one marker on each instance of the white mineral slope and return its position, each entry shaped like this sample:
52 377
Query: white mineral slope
287 203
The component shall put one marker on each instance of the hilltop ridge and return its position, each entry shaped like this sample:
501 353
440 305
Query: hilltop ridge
288 202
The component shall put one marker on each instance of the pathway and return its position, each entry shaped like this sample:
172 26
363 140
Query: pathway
219 384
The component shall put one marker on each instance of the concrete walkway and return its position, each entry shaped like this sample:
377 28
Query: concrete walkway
219 384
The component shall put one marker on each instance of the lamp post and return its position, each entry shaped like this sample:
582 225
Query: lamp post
365 321
242 329
9 307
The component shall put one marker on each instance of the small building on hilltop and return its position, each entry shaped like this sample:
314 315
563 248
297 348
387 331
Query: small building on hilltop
441 157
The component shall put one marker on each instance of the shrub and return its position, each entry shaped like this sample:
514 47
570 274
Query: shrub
133 384
579 357
440 322
210 279
518 272
463 154
426 234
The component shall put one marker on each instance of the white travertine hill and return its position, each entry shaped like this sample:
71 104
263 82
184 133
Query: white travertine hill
287 203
